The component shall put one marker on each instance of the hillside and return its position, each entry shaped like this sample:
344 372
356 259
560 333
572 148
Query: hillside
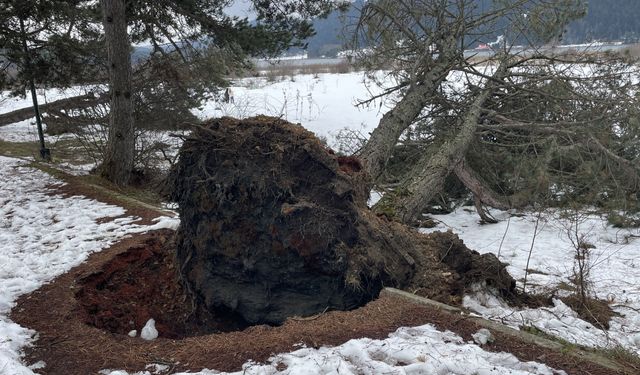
606 20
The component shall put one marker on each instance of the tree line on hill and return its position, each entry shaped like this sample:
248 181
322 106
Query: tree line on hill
605 20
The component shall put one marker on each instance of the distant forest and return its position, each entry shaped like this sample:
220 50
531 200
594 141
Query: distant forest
606 20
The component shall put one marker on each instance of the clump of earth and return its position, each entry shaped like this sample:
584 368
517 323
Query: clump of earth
273 225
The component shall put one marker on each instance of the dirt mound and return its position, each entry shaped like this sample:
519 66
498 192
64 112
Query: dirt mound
141 284
274 225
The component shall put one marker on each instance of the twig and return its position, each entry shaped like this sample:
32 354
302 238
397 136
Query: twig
504 235
533 240
312 317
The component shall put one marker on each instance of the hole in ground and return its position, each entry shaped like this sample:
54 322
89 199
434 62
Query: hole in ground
142 283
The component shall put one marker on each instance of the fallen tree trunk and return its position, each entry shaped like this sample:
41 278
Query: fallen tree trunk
384 138
479 188
274 225
407 202
68 104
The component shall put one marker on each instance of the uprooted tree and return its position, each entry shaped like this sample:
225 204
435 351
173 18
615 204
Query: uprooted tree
539 127
274 225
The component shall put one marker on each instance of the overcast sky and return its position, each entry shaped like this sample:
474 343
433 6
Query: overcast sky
241 8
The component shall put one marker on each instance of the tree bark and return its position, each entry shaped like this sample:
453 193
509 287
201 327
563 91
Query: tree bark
479 188
118 161
378 149
427 178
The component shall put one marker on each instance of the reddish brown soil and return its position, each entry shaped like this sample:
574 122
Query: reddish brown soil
70 346
141 284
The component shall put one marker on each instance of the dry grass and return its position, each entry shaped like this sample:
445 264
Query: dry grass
277 73
19 149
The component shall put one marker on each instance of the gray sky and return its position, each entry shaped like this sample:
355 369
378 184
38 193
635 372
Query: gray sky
241 8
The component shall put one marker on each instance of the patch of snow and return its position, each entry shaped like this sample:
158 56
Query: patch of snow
613 271
38 365
374 197
157 369
149 331
133 333
417 350
482 337
121 372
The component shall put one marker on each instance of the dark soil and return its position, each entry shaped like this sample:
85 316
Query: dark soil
68 345
274 225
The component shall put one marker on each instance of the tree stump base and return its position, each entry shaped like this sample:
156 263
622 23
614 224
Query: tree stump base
275 225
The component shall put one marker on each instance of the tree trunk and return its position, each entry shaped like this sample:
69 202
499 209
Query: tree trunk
118 160
76 102
408 201
44 152
479 188
379 147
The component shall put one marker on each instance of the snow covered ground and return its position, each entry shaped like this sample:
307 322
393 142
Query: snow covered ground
42 236
614 270
26 131
323 103
416 350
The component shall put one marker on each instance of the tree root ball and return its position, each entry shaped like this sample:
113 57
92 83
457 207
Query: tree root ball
275 225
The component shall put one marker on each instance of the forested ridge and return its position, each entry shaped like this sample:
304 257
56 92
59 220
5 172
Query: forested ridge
606 20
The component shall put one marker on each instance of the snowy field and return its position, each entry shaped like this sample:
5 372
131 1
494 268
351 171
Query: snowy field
323 103
42 236
26 131
614 271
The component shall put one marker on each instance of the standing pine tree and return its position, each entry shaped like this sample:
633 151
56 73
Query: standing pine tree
118 162
187 28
